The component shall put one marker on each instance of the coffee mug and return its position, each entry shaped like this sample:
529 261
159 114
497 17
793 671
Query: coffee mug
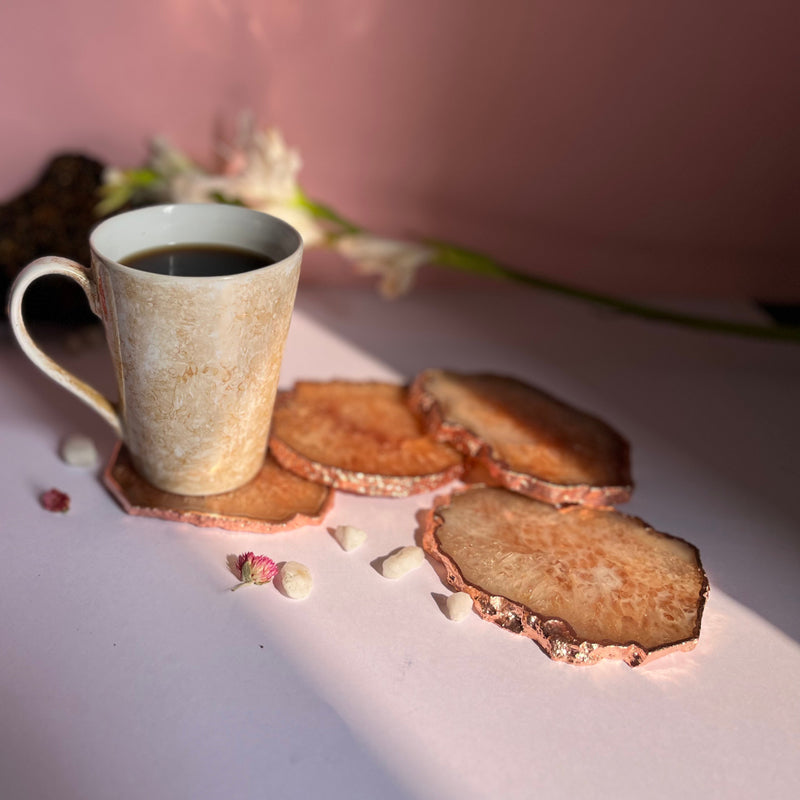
197 356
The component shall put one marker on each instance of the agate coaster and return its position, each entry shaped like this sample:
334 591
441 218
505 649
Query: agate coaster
585 584
275 500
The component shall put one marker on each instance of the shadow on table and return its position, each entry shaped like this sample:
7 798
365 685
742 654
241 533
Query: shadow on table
711 418
299 744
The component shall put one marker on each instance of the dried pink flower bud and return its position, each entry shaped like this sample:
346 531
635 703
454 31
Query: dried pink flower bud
254 569
54 500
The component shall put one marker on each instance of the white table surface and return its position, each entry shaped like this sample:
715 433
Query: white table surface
128 670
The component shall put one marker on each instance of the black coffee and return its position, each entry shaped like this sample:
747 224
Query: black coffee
197 260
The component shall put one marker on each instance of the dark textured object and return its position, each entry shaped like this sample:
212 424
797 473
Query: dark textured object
53 217
783 313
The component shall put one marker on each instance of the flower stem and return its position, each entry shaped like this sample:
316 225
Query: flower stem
448 255
323 211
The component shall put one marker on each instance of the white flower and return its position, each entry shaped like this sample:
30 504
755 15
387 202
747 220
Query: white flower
113 177
262 169
300 219
180 180
396 262
195 187
260 172
166 160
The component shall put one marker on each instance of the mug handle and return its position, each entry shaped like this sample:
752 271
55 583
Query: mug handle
53 265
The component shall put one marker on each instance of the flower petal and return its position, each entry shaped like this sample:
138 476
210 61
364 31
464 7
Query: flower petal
396 262
56 501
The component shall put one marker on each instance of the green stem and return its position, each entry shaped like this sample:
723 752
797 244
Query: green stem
322 211
467 261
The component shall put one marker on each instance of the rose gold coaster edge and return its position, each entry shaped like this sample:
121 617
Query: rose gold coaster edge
239 523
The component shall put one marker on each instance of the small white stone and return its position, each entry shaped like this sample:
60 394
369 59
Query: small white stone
349 537
403 561
295 580
79 451
458 606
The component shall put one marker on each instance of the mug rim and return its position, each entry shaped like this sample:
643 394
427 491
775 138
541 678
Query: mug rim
158 210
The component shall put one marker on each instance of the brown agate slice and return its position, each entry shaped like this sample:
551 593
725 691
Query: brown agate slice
359 437
584 583
275 500
530 442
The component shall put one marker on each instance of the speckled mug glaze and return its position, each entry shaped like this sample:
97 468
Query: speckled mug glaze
197 359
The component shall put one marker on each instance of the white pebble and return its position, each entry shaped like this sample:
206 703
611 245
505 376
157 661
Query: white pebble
295 580
458 606
349 537
403 561
79 451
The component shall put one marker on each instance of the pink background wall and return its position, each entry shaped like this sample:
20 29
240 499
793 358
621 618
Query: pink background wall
635 146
